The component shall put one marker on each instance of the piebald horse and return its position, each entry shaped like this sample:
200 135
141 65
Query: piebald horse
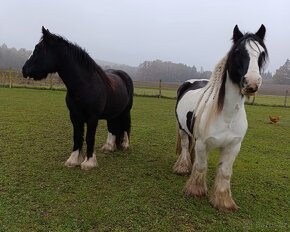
211 114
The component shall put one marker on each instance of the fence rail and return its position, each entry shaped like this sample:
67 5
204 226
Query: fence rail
270 94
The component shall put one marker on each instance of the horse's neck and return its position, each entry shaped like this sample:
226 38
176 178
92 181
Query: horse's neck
72 74
233 102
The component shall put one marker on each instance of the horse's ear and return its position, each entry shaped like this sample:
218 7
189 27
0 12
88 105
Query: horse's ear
237 34
45 32
261 32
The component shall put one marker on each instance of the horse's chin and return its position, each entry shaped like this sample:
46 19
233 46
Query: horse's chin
35 77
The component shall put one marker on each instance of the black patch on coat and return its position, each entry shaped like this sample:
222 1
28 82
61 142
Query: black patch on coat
190 120
187 86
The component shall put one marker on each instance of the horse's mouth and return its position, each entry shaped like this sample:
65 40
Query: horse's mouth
34 77
248 91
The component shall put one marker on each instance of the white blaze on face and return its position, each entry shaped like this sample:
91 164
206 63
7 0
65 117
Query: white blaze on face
253 76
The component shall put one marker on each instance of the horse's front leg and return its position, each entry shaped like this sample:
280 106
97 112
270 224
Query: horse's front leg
90 160
221 197
196 184
76 158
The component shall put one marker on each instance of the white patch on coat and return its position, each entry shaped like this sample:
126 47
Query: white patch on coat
89 163
75 159
187 103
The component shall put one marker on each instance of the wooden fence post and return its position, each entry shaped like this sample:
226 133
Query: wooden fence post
159 89
10 78
286 95
254 98
50 87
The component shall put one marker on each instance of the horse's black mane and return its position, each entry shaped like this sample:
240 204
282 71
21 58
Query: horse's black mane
80 55
244 39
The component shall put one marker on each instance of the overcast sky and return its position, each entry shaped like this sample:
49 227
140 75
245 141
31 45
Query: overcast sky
132 31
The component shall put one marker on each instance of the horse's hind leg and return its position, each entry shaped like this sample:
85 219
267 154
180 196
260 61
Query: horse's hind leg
113 129
118 133
196 184
221 197
90 160
110 144
123 142
76 158
183 164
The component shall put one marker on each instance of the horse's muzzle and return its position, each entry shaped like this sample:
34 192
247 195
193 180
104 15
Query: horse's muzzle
249 90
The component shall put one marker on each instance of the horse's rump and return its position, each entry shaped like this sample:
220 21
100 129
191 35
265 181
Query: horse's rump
125 78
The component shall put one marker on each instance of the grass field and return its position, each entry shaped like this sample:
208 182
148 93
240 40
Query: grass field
136 190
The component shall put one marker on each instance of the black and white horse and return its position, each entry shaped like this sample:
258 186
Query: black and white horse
211 114
92 94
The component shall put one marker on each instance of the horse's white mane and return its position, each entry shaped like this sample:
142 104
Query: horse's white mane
210 95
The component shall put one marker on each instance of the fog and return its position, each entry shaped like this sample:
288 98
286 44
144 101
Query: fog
132 31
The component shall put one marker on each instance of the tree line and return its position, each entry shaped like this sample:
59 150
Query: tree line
282 75
11 58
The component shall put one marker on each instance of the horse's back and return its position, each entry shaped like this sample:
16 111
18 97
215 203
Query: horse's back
191 84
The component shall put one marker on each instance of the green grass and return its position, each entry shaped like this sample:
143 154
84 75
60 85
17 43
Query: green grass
270 100
135 190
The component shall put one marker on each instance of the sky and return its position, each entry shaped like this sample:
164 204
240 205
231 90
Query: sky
193 32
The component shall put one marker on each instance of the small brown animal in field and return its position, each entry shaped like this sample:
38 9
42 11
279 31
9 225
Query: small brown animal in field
274 119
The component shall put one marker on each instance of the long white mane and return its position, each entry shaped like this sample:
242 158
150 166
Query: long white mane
209 96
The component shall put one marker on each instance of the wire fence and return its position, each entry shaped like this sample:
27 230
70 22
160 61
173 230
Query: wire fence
270 94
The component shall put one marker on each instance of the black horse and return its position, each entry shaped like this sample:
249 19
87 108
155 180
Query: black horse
92 94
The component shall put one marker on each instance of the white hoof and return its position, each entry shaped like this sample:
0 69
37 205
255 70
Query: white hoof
107 147
89 163
74 160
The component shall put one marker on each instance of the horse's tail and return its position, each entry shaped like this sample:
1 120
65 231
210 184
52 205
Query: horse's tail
178 140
